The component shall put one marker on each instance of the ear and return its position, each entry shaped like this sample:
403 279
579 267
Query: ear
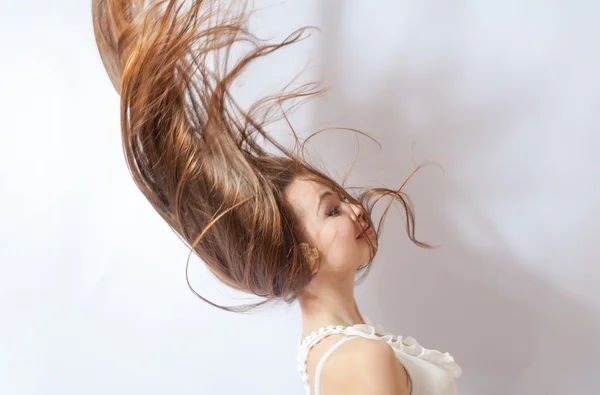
311 255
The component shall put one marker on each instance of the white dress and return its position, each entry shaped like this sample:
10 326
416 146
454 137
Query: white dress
430 372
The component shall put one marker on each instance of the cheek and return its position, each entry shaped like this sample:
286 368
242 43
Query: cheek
341 234
348 230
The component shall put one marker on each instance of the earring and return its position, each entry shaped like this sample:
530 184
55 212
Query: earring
311 255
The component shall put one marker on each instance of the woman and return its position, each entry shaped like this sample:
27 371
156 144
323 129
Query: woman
270 225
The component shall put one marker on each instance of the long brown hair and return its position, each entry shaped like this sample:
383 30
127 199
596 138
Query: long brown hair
194 152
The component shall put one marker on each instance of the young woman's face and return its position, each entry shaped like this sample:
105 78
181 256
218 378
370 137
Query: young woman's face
332 225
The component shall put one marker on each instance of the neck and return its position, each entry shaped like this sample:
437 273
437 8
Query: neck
330 303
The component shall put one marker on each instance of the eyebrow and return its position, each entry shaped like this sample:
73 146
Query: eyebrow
321 197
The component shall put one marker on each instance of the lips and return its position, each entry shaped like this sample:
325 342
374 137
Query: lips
363 232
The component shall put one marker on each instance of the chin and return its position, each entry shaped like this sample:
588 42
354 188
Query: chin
367 248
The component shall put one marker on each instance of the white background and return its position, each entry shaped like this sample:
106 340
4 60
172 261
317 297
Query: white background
504 95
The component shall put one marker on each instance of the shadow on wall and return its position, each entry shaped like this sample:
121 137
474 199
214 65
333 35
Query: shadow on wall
512 332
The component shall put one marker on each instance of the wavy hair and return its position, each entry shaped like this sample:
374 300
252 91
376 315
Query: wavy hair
194 152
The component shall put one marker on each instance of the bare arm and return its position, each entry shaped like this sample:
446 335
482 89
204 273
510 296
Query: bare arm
364 367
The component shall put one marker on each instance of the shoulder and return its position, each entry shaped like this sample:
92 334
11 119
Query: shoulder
364 366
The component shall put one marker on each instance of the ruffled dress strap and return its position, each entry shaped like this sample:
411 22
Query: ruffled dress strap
407 345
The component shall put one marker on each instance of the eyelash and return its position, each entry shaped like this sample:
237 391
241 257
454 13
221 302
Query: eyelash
336 208
331 212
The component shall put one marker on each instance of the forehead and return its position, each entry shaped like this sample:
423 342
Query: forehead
303 194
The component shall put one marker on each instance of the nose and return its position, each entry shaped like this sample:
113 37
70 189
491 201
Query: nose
357 212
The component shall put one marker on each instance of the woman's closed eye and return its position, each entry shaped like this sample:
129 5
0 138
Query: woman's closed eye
333 211
336 209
